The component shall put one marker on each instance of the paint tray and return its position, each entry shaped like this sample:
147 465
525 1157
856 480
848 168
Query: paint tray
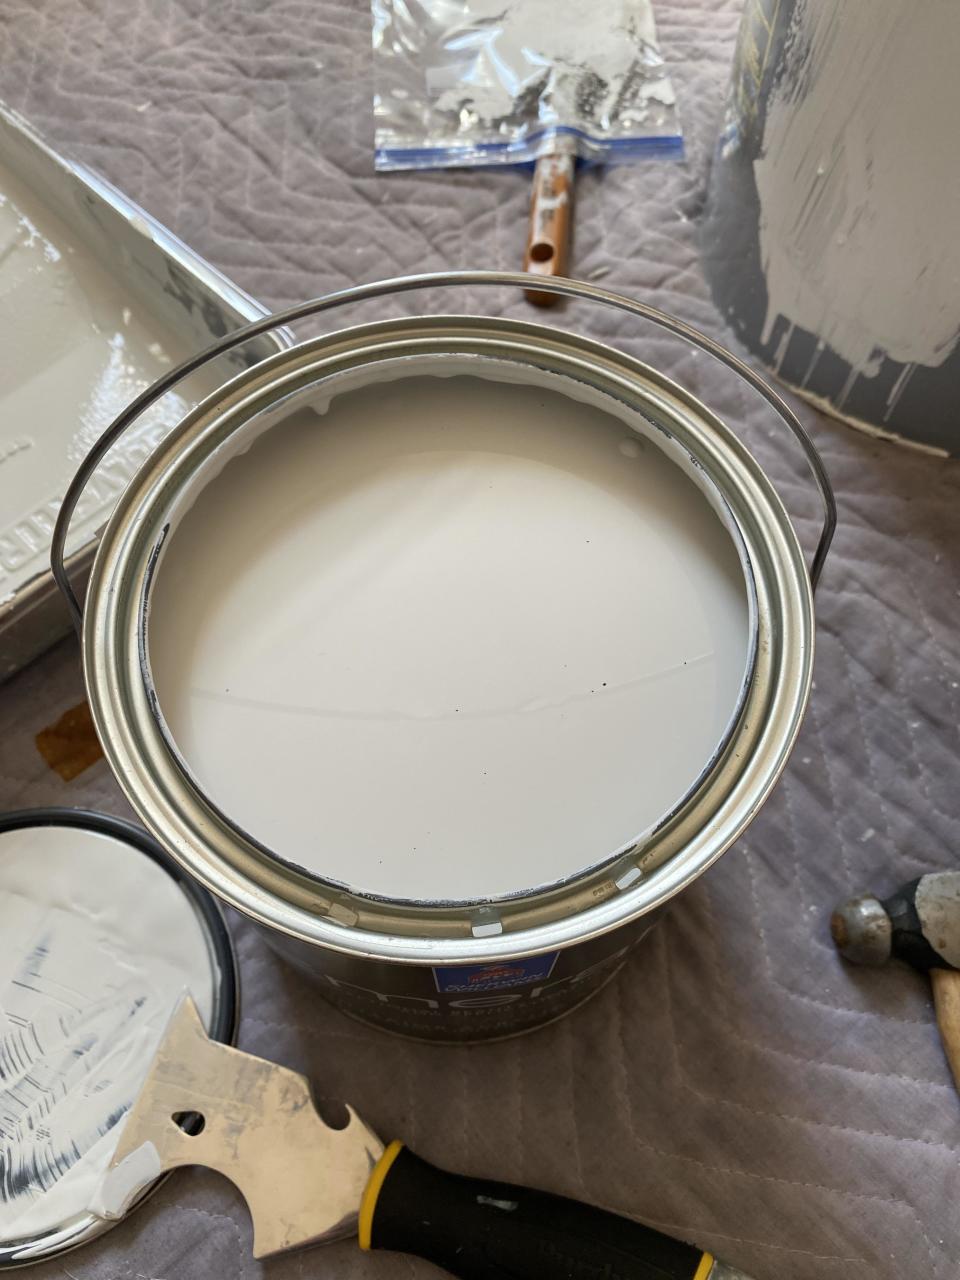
97 300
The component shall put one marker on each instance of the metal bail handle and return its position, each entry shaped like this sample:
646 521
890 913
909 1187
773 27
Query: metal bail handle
406 284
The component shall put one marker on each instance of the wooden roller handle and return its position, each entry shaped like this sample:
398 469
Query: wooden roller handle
548 235
946 999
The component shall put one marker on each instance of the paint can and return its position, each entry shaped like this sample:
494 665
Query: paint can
829 239
99 929
508 955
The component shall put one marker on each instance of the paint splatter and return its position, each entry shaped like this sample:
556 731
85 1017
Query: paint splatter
62 1085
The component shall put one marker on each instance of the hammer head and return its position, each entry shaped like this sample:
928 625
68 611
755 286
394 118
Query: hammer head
920 924
862 930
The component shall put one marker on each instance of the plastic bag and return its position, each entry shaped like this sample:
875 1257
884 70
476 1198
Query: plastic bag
481 82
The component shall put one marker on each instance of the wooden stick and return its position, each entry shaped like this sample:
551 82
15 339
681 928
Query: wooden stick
548 234
946 999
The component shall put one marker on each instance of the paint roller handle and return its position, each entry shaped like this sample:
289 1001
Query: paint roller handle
479 1230
559 286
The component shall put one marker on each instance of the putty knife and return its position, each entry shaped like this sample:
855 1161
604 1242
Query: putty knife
306 1183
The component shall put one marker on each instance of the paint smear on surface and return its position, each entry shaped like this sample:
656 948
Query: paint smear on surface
859 198
77 350
97 943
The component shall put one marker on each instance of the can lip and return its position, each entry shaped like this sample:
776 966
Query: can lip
234 868
226 1010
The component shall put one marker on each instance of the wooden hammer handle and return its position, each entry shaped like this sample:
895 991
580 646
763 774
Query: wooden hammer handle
548 234
946 999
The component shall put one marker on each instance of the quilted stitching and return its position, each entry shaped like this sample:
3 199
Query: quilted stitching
736 1084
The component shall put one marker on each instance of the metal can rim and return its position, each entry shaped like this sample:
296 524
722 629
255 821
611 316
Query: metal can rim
123 711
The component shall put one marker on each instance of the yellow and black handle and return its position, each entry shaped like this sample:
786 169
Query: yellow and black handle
479 1230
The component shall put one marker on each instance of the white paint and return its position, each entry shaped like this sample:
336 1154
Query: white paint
97 944
859 200
453 639
124 1182
868 428
75 353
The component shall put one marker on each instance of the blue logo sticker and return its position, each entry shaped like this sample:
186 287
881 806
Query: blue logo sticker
468 979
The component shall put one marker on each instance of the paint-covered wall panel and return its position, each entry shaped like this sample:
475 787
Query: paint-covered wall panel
830 234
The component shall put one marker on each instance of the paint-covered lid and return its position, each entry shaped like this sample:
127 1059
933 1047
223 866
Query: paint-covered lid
100 934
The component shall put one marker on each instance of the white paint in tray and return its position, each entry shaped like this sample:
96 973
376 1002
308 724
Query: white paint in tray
76 351
97 944
450 638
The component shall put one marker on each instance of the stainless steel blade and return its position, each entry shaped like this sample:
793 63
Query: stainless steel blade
302 1180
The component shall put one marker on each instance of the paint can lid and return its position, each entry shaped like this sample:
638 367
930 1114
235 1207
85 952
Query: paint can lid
100 933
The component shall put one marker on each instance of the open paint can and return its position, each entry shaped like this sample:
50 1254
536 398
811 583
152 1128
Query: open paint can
100 934
449 649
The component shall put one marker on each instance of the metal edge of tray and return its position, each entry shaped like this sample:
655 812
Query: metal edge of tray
184 287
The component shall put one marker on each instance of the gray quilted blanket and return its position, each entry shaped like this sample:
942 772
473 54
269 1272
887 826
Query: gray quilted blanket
736 1085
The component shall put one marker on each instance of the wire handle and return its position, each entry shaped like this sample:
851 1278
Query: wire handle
406 284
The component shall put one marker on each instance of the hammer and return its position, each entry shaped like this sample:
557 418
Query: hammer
920 924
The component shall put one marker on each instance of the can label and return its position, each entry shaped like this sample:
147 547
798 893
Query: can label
480 978
460 1003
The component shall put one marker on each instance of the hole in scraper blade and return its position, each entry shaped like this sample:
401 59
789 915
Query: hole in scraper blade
541 251
191 1122
332 1112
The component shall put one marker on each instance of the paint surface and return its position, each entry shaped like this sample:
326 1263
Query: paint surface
77 350
97 943
858 209
452 638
